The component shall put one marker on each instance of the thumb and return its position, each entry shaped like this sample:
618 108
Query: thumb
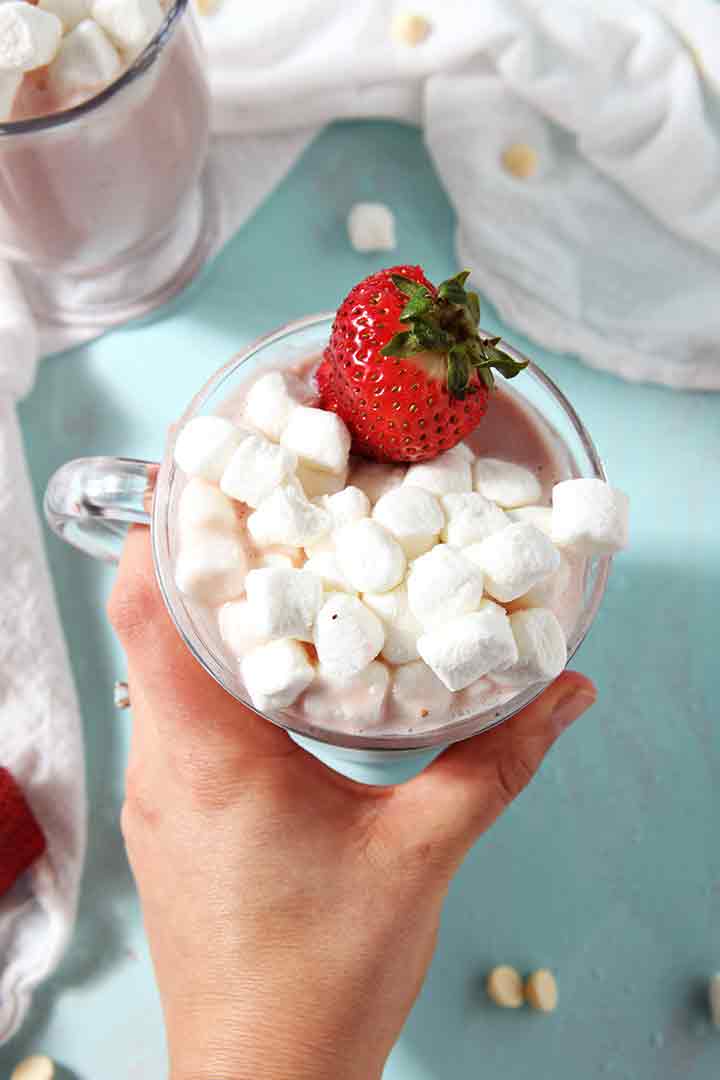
468 787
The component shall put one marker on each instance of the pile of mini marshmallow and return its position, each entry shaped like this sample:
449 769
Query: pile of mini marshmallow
84 44
448 564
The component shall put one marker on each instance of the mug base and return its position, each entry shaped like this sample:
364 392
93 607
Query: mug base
136 288
376 768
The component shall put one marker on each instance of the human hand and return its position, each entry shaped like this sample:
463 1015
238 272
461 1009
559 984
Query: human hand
291 913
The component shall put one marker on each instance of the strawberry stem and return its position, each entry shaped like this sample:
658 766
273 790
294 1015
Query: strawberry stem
447 323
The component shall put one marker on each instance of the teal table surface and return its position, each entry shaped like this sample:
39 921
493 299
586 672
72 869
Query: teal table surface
607 869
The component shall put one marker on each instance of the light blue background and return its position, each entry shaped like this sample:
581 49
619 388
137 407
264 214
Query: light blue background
607 869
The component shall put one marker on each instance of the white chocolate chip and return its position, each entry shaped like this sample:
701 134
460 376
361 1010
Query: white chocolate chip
541 991
410 29
36 1067
504 986
520 160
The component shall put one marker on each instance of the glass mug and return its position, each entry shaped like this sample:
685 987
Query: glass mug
90 501
104 210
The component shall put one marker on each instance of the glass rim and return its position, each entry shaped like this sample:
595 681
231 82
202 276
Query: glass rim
139 66
446 734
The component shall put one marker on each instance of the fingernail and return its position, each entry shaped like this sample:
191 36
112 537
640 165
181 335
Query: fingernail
571 705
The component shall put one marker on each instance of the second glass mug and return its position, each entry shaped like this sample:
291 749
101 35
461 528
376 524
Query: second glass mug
104 208
89 503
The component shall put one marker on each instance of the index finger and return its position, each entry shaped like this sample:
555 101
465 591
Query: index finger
168 686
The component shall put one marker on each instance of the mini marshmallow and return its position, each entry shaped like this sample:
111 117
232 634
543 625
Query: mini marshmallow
542 649
443 584
506 483
324 564
256 469
371 227
417 697
413 516
469 646
69 12
450 472
347 636
275 675
376 479
284 558
315 483
350 504
86 60
320 439
203 506
470 518
410 28
514 560
547 593
9 85
238 628
590 516
402 629
211 567
268 405
369 557
130 24
539 516
355 704
287 517
29 37
284 602
205 445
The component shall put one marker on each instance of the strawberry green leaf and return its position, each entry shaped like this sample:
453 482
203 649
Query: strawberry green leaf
408 287
458 371
453 290
417 305
473 303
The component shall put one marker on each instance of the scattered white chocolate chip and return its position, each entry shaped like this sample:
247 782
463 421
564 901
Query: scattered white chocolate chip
520 160
714 999
409 28
504 986
541 991
36 1067
207 7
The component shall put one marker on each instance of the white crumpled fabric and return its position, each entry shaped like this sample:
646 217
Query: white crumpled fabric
610 250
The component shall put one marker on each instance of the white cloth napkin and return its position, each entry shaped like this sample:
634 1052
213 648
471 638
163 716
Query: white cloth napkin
610 250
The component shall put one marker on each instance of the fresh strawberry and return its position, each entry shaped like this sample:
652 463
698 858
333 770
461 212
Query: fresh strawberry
21 838
406 368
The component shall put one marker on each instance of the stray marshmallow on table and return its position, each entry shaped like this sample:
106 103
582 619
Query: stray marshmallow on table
268 405
287 517
357 703
130 24
469 646
29 36
371 227
471 518
203 506
402 629
376 479
589 516
276 674
443 584
320 439
369 557
413 516
211 566
514 560
256 469
347 636
284 602
205 445
450 472
507 484
238 628
86 60
418 698
542 649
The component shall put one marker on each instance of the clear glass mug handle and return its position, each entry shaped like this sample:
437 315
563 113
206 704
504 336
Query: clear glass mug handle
90 502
